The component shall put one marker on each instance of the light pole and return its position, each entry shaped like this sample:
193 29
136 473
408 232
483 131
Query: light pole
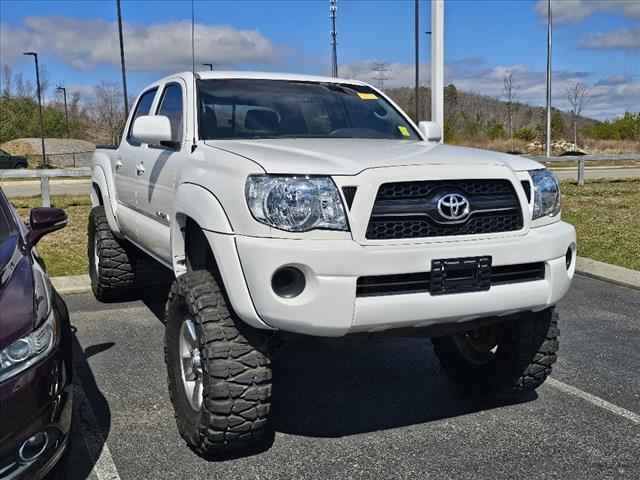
210 65
122 65
44 153
417 32
66 111
549 38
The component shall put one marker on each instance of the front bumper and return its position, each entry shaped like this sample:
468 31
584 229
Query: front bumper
329 305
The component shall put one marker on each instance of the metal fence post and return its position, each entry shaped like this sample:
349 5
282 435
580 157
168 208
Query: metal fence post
44 190
581 172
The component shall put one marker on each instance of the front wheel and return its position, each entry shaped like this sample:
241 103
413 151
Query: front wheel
512 357
219 374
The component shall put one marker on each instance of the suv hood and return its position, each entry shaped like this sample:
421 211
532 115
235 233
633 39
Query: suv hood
350 156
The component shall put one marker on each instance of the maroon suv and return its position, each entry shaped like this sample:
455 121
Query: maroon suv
35 350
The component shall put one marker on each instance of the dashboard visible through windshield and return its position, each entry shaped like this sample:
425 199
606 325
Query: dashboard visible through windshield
248 109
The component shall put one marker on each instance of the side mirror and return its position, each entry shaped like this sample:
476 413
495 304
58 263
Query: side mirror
44 220
431 131
152 129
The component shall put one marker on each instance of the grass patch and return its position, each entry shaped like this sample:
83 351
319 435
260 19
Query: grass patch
605 214
64 251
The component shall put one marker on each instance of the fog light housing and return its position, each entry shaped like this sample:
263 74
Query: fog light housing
33 447
288 282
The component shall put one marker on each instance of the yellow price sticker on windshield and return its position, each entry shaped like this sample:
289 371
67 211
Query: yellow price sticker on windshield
404 131
367 96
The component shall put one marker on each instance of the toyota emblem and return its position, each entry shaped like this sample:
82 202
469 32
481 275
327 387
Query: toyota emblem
453 206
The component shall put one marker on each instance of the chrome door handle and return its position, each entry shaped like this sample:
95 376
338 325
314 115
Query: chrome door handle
119 165
140 169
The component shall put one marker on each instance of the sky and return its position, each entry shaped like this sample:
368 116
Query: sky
596 42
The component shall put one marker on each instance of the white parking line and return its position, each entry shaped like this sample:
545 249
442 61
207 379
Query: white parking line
597 401
103 465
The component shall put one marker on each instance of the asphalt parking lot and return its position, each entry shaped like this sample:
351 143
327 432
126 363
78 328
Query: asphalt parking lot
369 408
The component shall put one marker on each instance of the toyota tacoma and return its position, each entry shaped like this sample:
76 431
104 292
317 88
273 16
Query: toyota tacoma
287 205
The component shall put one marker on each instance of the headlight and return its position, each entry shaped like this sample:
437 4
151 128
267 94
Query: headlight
295 204
27 351
546 193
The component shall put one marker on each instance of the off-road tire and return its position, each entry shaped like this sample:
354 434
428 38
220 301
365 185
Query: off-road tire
234 416
123 270
114 277
522 362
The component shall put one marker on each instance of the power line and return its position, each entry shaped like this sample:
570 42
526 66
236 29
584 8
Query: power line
333 7
380 69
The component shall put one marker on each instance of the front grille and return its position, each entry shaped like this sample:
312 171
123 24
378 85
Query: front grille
410 209
378 285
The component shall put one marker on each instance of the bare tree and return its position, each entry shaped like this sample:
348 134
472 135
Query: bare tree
6 80
510 95
578 96
107 111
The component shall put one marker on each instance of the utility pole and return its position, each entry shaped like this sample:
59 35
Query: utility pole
549 38
437 63
417 32
44 153
210 65
66 110
333 7
122 65
381 68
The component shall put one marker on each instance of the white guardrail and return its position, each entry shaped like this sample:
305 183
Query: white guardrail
44 176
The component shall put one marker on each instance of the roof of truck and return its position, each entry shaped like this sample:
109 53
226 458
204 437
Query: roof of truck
222 74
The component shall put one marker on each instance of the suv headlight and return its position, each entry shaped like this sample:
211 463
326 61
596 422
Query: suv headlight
295 204
27 351
546 193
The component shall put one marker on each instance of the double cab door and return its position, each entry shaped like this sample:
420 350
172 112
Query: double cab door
146 174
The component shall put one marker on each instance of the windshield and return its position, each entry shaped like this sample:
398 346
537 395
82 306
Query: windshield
246 108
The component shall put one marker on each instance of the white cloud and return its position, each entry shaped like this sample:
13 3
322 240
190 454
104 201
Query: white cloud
624 39
572 11
86 44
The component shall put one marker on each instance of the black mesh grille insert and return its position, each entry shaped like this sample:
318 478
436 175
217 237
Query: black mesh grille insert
409 209
378 285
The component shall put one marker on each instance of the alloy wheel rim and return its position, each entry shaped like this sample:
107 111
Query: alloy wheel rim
96 258
191 364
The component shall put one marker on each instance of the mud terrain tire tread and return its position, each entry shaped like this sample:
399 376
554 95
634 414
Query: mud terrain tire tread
237 371
116 273
522 363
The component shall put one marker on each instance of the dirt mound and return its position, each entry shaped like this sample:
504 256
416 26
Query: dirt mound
53 146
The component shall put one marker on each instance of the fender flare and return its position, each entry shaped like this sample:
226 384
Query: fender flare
203 207
104 196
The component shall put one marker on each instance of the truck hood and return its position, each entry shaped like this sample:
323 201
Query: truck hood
350 156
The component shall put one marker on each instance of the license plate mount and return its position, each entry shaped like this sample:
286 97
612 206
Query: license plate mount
460 275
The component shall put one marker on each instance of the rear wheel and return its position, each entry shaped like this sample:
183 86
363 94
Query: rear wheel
117 269
219 372
508 358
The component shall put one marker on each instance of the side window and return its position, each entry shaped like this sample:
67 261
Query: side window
171 107
142 108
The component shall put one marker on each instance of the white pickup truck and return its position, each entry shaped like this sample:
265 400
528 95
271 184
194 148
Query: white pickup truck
315 206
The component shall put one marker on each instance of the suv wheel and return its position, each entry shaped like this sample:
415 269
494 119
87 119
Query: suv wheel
508 358
219 374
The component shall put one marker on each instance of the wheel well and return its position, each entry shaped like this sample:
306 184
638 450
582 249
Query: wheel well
98 193
197 249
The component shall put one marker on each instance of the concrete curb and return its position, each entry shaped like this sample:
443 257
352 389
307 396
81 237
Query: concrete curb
611 273
72 284
585 266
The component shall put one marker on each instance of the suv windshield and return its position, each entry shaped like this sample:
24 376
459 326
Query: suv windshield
245 108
